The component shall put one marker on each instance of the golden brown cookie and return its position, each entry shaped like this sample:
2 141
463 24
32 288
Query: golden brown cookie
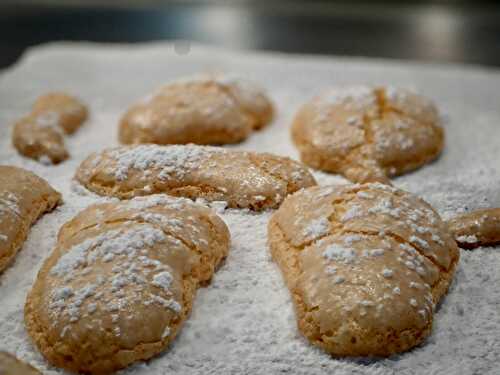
477 228
368 133
10 365
24 197
40 135
121 281
38 141
365 264
204 109
242 179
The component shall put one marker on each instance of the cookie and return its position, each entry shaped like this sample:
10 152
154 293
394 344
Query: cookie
39 142
242 179
10 365
24 197
40 135
218 109
365 264
121 281
477 228
368 134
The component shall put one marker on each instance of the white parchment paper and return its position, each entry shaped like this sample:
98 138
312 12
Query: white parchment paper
243 323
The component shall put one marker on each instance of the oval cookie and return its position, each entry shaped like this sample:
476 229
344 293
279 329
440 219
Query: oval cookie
365 264
39 141
368 133
218 109
24 197
40 135
10 365
242 179
121 281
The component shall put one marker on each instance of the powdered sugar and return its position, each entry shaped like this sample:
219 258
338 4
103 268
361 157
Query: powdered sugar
339 253
170 160
243 323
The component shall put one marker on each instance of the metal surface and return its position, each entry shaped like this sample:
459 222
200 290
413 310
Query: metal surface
426 31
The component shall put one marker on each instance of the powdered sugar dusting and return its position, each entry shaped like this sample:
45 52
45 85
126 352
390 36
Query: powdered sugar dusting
176 159
243 323
126 248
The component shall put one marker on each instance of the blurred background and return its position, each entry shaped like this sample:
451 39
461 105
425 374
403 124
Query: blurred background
432 31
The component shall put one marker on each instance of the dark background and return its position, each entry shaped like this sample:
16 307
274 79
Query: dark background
437 31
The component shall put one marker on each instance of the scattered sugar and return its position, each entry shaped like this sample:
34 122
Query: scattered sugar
353 212
339 253
387 273
163 280
352 238
317 228
338 280
9 202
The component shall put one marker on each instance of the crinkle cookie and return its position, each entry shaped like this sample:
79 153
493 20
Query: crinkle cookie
10 365
24 197
204 109
121 281
242 179
40 135
366 265
477 228
368 134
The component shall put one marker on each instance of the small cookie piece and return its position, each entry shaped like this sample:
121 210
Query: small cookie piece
40 135
476 228
39 141
10 365
242 179
367 133
24 197
365 264
218 109
121 281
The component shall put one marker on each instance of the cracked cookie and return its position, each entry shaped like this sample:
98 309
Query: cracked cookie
203 109
10 365
366 265
242 179
121 281
40 135
24 197
368 134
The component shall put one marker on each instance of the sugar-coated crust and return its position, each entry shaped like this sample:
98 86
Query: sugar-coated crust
368 134
10 365
24 197
242 179
476 228
121 281
218 109
365 265
40 135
